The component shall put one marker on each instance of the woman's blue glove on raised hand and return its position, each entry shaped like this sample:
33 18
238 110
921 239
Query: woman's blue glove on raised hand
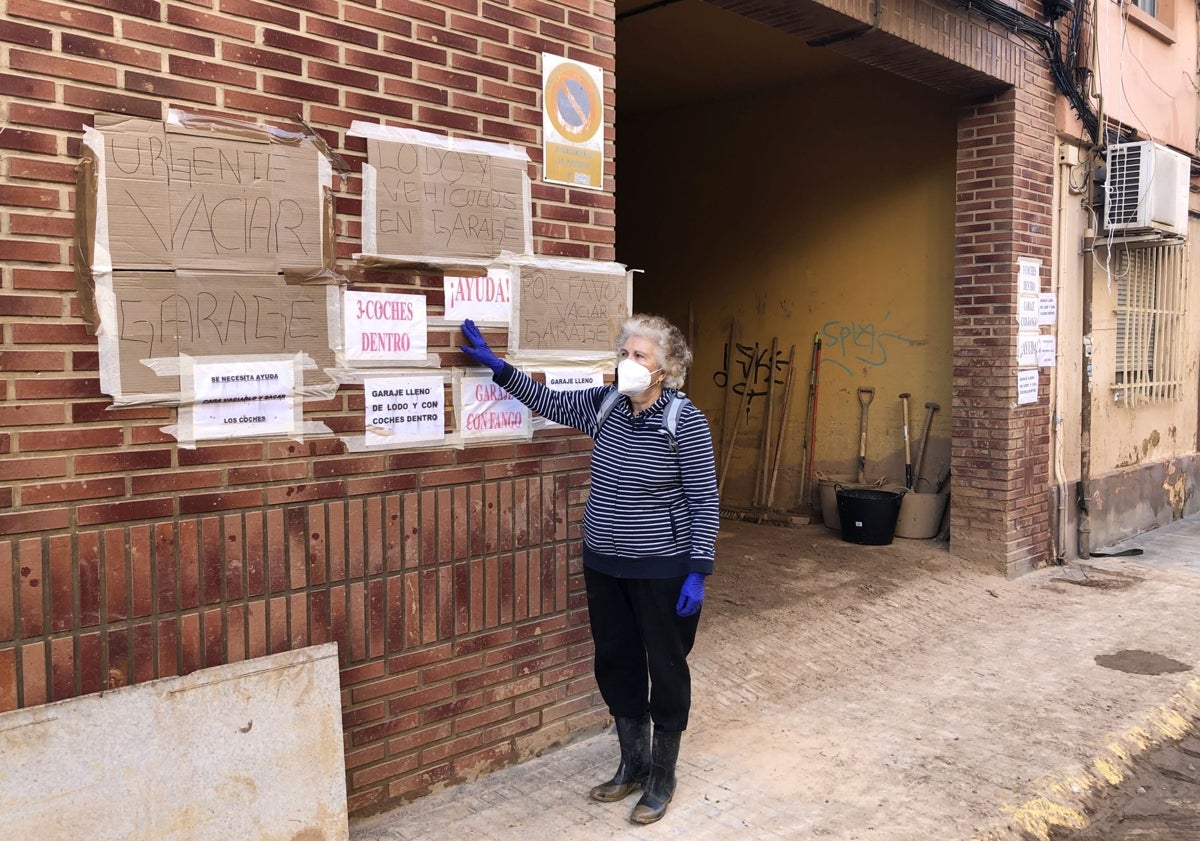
478 348
691 595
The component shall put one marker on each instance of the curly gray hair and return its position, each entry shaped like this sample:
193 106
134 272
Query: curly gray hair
674 355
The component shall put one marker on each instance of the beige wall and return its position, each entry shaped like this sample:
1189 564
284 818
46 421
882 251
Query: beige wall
1138 455
826 209
1146 69
1122 436
1142 460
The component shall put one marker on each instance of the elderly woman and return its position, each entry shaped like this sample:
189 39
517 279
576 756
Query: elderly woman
648 538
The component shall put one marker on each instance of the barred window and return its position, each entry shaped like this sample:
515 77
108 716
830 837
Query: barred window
1151 281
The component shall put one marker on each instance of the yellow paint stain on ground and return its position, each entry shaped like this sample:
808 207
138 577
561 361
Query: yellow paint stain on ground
1108 770
1039 816
1064 798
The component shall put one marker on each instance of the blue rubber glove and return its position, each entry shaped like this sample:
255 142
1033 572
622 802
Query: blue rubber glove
478 348
691 595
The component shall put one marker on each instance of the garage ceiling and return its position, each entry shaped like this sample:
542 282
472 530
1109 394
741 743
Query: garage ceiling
677 53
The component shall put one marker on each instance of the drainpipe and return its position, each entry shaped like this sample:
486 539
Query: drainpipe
1084 490
1065 157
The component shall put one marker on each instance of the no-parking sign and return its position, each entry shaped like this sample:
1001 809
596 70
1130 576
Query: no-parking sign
572 123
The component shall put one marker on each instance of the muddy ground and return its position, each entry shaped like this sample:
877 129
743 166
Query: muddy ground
1160 802
834 577
881 693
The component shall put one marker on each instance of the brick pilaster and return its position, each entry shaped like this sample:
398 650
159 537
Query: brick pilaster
1000 451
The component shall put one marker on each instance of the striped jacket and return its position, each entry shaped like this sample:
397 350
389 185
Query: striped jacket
649 514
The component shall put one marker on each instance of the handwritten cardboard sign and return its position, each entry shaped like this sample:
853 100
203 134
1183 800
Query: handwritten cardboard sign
437 203
173 198
570 308
158 316
384 326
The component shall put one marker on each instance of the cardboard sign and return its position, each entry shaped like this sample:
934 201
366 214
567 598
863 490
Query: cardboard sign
169 197
421 199
402 411
156 316
383 326
576 307
488 411
486 299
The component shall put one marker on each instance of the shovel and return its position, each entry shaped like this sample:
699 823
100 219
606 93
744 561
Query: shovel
865 396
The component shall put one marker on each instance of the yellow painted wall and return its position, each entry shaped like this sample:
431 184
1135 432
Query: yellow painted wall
826 209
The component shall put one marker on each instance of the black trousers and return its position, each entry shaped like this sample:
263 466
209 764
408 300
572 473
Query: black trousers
641 647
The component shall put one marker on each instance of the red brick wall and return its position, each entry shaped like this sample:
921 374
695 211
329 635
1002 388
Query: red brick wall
1000 450
449 579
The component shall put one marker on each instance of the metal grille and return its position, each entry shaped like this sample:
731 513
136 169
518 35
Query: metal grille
1123 188
1151 310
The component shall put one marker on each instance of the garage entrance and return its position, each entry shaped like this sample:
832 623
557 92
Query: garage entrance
788 173
775 194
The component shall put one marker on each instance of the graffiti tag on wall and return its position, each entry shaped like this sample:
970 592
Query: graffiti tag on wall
861 341
750 369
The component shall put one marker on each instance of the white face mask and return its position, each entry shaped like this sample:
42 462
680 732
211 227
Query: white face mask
633 379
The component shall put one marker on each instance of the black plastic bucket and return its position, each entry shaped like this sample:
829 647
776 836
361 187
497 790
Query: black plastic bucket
868 515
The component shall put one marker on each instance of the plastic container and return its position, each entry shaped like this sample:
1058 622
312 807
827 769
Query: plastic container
868 515
827 489
921 515
827 496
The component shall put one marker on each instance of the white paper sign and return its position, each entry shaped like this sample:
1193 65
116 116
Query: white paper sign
485 410
571 379
401 411
1027 386
484 299
1027 311
384 326
1047 308
236 399
1047 351
1029 275
1028 342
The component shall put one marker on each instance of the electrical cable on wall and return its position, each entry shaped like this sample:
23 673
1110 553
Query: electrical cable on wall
1051 43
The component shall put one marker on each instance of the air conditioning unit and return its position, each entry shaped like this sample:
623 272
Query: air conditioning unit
1147 189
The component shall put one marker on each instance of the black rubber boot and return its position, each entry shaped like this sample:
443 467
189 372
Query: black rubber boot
661 786
634 736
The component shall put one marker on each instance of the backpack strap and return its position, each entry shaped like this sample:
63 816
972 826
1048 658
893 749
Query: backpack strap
606 407
670 420
668 424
